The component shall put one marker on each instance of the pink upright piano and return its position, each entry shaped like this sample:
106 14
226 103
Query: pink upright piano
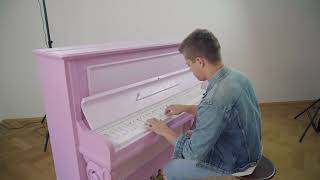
97 99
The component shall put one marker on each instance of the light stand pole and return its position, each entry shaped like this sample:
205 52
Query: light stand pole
50 46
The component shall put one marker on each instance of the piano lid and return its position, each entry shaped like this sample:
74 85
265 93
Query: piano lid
88 51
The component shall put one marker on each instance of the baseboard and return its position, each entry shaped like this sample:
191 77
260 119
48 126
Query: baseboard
23 119
2 118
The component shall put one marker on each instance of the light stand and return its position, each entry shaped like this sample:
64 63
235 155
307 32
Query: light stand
50 46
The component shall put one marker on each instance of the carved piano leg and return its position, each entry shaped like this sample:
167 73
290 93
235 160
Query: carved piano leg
96 172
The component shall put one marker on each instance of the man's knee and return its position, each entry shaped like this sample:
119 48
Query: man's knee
170 170
173 170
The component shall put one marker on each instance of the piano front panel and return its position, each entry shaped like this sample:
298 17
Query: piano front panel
129 71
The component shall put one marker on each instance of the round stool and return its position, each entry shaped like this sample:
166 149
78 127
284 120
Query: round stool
264 170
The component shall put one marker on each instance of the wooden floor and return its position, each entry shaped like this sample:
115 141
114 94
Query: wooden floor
22 156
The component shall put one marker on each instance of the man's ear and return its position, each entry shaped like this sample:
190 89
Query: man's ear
201 61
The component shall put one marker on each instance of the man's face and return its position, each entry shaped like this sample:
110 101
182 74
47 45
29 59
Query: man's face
197 68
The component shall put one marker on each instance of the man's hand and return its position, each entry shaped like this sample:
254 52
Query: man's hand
189 133
157 126
162 129
174 109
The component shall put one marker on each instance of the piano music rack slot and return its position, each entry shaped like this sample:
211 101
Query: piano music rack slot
138 98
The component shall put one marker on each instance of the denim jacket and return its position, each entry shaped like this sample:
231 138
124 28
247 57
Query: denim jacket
227 136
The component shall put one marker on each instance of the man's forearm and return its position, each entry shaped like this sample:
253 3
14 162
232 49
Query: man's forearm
170 136
191 109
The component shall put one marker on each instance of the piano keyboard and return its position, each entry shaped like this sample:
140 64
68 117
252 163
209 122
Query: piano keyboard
131 127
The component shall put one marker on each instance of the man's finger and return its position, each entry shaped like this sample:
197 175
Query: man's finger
168 109
150 120
168 112
149 126
148 123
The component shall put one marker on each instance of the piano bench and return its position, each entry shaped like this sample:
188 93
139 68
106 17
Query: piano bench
265 170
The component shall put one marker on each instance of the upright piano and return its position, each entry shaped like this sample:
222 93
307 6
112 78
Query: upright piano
97 99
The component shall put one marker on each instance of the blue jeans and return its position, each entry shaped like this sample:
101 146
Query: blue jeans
183 169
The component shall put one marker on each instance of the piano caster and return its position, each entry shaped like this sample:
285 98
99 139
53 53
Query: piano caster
96 172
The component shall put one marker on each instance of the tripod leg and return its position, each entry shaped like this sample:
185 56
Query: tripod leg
304 133
307 109
311 122
318 128
46 143
44 118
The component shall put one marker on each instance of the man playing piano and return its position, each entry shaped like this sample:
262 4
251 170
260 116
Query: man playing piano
226 140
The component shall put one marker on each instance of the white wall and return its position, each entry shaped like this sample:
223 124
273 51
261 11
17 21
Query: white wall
20 32
274 42
286 36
